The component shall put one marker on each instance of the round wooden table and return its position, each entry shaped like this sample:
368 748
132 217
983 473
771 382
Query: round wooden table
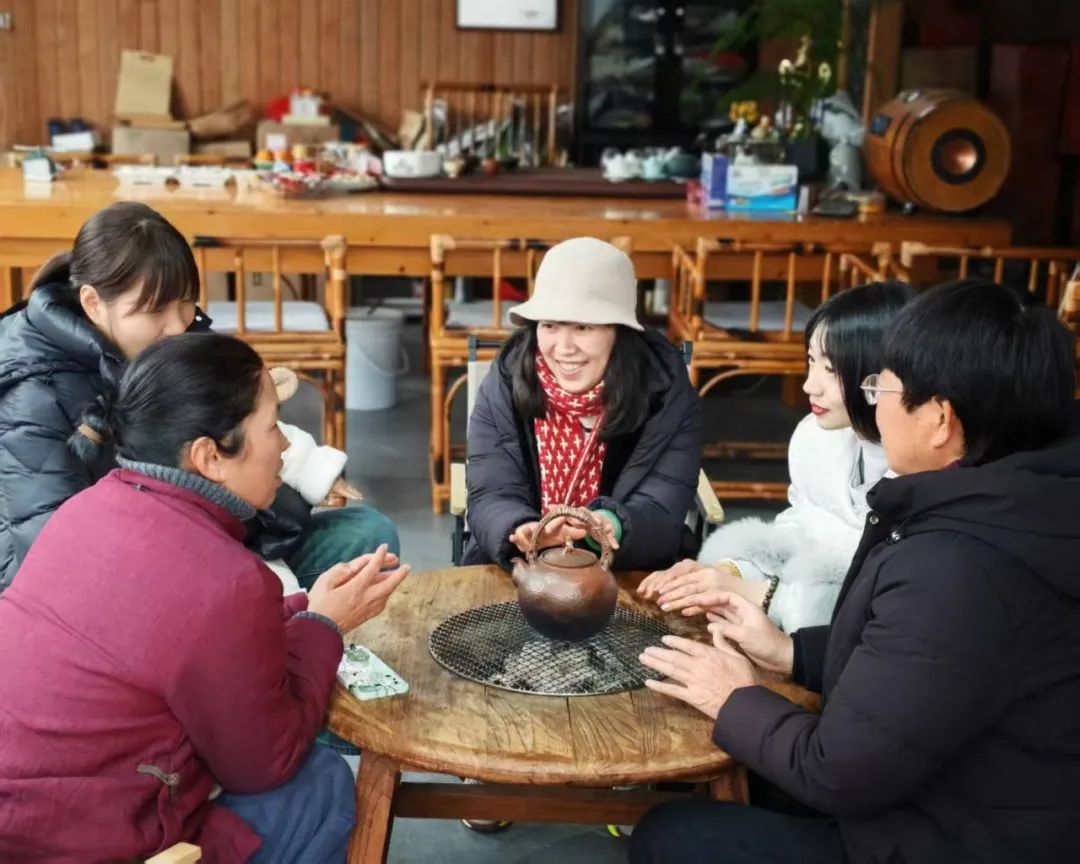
534 753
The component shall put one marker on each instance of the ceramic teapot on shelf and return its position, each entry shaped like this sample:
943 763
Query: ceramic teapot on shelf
565 592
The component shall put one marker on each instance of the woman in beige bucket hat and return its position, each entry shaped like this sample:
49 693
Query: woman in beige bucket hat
584 407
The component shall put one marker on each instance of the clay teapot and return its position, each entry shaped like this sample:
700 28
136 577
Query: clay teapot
565 592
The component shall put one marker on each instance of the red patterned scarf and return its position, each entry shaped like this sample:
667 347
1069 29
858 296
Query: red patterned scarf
570 456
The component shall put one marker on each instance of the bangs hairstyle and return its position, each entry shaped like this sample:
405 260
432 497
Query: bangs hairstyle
124 246
1006 365
854 323
626 400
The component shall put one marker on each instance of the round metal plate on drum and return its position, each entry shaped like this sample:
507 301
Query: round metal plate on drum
494 645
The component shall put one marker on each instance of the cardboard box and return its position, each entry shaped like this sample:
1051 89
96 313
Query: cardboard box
166 144
764 188
237 149
145 83
294 134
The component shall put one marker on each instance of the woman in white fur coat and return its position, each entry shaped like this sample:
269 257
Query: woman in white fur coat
794 565
333 534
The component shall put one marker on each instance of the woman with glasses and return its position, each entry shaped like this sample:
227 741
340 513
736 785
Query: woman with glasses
793 566
950 671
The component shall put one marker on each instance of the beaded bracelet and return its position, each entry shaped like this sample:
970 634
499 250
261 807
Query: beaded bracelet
774 582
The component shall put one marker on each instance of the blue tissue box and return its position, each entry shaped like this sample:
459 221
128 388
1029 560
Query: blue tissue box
762 188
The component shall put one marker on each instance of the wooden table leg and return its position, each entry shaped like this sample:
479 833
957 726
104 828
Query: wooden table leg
733 785
376 788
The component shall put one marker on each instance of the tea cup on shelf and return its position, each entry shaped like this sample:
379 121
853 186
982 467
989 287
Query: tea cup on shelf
632 160
616 170
453 166
653 167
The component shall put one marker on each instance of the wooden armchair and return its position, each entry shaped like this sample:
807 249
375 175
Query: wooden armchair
181 853
306 333
757 329
87 159
214 160
1050 274
705 515
453 318
1042 271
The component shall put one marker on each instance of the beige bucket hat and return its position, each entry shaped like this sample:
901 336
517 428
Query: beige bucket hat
583 280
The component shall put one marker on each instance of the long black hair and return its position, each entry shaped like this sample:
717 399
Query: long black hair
855 322
179 389
123 246
626 399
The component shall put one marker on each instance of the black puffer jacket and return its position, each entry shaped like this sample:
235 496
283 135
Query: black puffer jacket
950 674
648 478
53 363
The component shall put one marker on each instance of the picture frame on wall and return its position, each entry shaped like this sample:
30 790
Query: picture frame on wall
537 15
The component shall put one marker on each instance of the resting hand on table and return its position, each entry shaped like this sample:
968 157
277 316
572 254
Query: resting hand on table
703 676
743 623
557 531
356 591
693 588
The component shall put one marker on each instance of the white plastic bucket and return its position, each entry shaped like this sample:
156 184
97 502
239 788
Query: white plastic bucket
374 358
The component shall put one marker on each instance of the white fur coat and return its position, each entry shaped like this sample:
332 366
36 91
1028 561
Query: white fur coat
810 544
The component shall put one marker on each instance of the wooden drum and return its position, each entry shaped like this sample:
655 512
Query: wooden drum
938 149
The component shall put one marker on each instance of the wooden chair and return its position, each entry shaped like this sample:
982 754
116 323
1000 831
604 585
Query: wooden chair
1042 271
525 114
304 334
214 160
1050 274
86 159
181 853
451 320
749 333
705 515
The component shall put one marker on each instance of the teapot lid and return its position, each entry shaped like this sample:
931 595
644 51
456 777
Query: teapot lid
568 556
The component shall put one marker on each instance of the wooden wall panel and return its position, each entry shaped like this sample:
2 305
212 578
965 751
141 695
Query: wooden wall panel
62 57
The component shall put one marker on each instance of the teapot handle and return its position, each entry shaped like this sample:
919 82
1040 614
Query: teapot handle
581 515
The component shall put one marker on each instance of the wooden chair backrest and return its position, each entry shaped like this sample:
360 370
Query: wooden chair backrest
794 265
529 107
219 160
1048 269
495 259
278 257
86 159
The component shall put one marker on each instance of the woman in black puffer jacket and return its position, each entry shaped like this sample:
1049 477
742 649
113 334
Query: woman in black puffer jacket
584 407
129 281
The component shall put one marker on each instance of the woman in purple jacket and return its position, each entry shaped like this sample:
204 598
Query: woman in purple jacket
158 684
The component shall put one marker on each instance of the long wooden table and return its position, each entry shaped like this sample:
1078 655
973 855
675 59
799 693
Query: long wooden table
543 758
389 233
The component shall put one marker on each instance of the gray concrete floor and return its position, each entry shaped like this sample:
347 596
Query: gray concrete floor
388 461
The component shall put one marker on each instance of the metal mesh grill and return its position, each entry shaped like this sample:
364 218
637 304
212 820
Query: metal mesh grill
495 645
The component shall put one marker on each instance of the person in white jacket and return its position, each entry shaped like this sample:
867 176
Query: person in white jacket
335 533
794 565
